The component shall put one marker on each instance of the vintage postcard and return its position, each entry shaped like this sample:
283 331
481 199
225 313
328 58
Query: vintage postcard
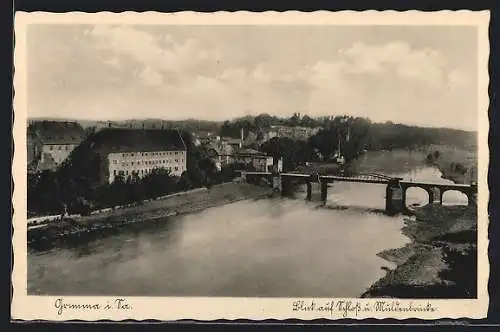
250 165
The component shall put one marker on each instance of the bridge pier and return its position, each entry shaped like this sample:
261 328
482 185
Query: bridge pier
324 191
472 195
309 190
286 187
435 195
431 196
277 183
471 198
395 198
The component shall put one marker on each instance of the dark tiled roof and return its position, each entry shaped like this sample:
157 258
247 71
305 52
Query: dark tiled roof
250 152
230 140
57 132
135 140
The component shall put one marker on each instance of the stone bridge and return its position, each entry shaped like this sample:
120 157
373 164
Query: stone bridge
396 188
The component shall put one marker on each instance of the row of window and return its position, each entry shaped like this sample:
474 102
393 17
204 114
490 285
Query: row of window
142 171
148 162
59 147
132 154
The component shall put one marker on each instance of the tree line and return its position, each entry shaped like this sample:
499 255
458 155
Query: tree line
358 135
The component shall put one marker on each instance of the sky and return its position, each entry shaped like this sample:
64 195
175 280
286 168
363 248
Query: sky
420 75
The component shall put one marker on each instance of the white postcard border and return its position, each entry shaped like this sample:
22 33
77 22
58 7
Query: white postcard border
174 308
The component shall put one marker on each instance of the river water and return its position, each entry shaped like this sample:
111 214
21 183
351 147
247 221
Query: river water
278 247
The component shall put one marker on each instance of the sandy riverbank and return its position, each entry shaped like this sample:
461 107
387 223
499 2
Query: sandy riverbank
111 221
441 260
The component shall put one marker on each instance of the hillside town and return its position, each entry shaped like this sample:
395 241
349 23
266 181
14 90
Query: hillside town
50 143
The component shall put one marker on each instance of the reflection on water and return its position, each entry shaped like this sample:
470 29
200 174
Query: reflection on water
276 247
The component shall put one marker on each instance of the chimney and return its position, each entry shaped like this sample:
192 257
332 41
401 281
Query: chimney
242 135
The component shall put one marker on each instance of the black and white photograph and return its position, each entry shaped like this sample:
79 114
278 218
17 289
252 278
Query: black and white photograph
240 160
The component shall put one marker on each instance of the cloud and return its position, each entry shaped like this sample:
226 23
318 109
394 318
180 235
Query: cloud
110 71
113 61
425 65
150 77
157 54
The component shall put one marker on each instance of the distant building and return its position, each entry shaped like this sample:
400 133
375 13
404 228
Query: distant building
51 142
111 152
258 160
138 152
233 143
298 133
204 138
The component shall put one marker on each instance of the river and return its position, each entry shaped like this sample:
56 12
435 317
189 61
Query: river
276 247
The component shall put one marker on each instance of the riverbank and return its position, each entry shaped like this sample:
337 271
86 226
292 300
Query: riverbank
111 221
457 165
440 261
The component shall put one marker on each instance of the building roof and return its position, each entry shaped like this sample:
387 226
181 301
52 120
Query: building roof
111 140
204 133
230 140
250 152
57 132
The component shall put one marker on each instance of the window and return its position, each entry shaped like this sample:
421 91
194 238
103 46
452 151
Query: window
50 148
67 148
114 172
132 163
176 160
176 153
131 154
142 153
59 148
114 162
176 168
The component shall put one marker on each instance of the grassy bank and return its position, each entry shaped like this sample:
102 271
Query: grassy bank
148 211
457 165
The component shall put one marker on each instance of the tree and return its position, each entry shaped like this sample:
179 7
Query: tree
263 121
293 152
185 183
158 182
307 121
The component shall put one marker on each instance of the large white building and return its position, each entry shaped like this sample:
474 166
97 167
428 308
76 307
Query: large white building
129 152
141 163
125 152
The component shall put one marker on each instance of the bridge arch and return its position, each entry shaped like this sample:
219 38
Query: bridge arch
415 196
454 197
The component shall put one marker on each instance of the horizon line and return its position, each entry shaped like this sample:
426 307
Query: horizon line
55 118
